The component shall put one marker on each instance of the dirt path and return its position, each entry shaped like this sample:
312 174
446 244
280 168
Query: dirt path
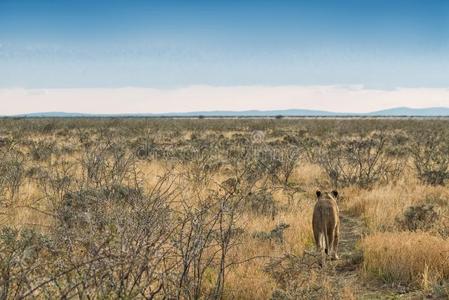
306 278
345 272
351 231
337 279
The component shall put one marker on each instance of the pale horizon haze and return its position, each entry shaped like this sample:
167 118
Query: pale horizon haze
129 100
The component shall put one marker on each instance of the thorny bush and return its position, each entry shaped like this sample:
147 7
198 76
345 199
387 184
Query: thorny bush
362 160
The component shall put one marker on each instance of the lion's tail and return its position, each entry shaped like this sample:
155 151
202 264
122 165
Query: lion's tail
325 217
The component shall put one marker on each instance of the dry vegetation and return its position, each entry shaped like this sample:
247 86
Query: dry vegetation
188 209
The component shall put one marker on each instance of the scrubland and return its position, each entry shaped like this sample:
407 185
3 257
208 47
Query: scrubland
222 208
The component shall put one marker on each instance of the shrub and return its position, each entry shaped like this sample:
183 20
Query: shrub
22 261
12 172
430 153
421 217
361 160
276 234
262 203
42 151
116 241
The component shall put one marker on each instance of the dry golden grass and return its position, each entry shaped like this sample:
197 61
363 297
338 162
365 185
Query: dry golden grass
248 280
413 258
309 175
381 206
27 210
420 259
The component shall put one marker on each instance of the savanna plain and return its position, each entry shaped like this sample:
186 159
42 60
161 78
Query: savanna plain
222 208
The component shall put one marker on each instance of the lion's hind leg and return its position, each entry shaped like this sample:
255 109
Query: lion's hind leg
318 243
336 234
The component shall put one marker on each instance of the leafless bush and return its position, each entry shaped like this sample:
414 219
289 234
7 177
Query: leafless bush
293 275
107 164
48 126
278 163
55 179
116 241
204 162
430 152
276 234
361 160
124 241
5 142
207 234
42 150
12 172
421 217
22 261
242 164
262 202
272 163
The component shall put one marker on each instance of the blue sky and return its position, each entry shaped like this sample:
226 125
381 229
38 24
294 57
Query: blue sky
49 43
377 44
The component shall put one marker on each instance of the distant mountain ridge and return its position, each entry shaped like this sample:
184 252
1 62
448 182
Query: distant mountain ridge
414 112
392 112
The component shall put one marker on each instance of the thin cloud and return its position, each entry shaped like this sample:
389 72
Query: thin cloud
354 98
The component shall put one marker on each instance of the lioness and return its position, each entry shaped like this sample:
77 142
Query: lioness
326 223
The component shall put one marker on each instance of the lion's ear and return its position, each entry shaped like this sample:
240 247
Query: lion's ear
318 194
335 193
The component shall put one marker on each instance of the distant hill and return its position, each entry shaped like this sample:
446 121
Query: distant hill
53 114
257 113
413 112
218 113
392 112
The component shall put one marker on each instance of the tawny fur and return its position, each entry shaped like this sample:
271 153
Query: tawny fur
326 223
